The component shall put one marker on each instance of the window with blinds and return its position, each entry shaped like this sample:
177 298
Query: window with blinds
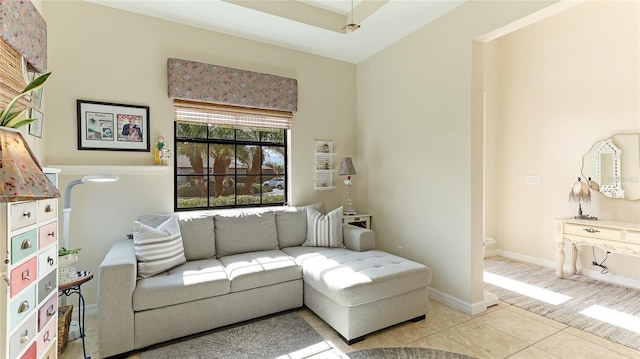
12 77
229 156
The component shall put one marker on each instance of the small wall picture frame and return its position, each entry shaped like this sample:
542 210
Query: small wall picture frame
35 127
112 127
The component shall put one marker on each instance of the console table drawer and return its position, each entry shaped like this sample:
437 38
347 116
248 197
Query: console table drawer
593 231
633 236
22 245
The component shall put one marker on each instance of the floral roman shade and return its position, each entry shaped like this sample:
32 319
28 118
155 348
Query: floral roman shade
24 29
195 81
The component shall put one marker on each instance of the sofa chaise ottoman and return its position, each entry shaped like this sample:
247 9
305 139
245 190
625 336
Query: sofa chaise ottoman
243 264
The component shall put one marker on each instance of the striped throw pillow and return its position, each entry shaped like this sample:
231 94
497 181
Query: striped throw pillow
324 230
158 249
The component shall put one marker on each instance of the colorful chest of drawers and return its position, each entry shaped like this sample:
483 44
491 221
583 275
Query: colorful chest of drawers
29 278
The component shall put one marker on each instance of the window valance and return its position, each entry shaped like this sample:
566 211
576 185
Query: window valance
189 80
24 29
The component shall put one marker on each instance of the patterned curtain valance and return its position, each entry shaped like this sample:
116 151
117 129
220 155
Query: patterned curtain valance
22 27
197 81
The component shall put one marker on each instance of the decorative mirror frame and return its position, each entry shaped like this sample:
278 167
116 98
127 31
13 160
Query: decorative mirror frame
610 190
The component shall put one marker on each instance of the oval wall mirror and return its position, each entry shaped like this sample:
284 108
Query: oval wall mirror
614 164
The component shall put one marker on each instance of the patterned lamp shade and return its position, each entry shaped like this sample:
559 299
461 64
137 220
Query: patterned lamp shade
21 177
346 167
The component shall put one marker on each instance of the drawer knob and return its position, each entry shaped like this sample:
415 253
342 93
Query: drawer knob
26 214
24 306
24 337
48 287
51 311
591 230
51 234
46 337
50 261
48 208
26 244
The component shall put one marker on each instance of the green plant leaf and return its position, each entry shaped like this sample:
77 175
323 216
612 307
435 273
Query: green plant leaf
6 116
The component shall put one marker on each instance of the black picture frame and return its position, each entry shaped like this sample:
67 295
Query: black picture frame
108 126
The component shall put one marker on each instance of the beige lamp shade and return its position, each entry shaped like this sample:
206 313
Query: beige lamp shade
21 177
346 167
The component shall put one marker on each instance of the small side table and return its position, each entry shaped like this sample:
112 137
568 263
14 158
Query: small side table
360 220
74 287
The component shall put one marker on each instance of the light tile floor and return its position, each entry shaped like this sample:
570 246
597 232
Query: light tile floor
503 331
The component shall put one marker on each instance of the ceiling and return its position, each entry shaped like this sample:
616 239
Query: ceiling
312 26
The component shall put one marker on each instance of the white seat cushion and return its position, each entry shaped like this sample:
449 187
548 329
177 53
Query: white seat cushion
259 269
353 278
191 281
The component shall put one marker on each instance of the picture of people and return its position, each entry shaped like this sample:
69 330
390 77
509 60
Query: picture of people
131 128
99 126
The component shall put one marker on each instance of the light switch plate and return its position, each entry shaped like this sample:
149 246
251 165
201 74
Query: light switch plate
533 180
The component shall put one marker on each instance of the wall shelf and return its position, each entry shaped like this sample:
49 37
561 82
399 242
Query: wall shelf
323 162
111 169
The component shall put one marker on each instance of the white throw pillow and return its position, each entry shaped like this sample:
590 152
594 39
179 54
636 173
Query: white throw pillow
158 249
324 230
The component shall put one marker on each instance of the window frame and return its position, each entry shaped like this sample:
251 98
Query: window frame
209 175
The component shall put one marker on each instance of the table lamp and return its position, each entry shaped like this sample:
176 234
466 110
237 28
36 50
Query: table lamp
580 193
347 169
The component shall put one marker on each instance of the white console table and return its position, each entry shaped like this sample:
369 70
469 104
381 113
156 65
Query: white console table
611 236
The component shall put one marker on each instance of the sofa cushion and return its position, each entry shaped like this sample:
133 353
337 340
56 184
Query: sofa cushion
353 278
198 235
324 230
158 248
259 269
242 232
191 281
291 224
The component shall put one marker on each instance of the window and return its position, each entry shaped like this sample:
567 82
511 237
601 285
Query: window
224 161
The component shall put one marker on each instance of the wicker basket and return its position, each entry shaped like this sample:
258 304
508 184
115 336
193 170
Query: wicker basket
64 321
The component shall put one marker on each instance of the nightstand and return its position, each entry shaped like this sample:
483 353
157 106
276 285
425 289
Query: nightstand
360 220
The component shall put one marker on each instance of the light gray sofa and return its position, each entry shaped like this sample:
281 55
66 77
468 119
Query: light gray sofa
246 264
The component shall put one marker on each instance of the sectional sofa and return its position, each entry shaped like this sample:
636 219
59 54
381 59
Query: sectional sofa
191 272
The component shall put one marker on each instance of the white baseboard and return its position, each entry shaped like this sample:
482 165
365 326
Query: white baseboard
457 303
595 274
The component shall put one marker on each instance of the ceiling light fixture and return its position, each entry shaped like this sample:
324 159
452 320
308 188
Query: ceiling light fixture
352 26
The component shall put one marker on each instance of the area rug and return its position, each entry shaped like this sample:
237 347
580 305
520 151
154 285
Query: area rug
268 338
583 294
405 353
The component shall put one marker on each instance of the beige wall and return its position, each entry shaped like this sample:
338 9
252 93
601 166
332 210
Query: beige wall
101 54
417 144
556 88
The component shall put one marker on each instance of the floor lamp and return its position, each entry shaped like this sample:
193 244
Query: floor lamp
66 210
74 330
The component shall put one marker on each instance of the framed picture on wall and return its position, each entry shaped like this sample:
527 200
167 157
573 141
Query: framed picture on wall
112 127
35 127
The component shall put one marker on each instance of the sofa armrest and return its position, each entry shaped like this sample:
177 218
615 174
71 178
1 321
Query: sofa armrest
116 283
357 238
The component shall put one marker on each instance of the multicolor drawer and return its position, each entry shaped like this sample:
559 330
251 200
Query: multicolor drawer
47 234
47 209
51 352
23 275
23 245
22 306
47 260
47 285
22 338
47 311
23 214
